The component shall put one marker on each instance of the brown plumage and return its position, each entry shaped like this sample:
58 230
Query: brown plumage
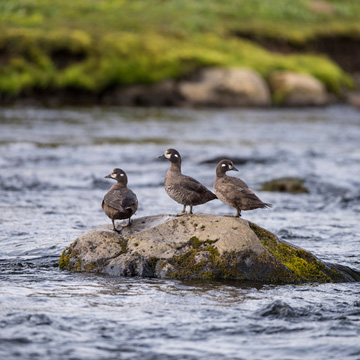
184 189
233 191
120 202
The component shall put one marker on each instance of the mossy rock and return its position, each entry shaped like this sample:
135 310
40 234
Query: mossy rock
286 184
197 247
304 265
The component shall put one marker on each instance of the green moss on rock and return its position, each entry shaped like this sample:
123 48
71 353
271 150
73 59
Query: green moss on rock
124 244
195 243
203 261
153 262
69 260
302 264
190 266
64 260
286 184
91 266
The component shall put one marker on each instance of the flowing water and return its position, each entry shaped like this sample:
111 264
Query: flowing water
53 164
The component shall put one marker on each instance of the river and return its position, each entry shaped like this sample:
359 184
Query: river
53 163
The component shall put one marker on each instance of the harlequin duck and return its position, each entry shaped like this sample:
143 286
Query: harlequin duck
120 202
233 191
183 189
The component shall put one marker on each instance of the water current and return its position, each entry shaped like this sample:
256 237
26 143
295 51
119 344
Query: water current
53 163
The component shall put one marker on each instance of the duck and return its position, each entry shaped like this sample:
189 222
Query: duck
182 188
120 202
233 191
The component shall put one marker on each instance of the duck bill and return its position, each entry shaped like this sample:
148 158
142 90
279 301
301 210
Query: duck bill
162 157
235 169
108 176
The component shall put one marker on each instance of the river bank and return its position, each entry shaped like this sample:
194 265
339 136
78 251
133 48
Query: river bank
49 55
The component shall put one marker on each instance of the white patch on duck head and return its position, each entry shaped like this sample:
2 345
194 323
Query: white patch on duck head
223 165
231 166
167 155
113 175
176 155
122 174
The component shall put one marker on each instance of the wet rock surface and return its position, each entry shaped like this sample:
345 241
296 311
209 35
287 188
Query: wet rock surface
197 247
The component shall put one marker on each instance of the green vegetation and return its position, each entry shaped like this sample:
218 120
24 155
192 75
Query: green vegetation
203 261
302 264
195 243
65 261
301 19
93 46
70 259
289 185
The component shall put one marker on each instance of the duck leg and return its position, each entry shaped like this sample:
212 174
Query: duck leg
183 212
190 212
115 229
238 213
128 224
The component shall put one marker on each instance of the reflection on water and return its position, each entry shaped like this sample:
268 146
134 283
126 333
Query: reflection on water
51 186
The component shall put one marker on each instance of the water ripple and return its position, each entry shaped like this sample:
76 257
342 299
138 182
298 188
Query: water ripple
51 189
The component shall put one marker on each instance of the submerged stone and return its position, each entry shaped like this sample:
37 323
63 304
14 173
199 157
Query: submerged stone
197 247
285 184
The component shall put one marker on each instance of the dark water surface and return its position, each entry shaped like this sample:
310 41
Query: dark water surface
51 185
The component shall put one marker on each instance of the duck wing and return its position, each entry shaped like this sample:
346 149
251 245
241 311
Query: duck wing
240 189
193 185
120 200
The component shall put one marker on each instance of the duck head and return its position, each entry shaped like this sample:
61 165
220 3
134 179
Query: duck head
118 175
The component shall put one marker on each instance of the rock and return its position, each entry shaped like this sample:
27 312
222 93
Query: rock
226 87
295 89
353 97
286 184
159 94
197 247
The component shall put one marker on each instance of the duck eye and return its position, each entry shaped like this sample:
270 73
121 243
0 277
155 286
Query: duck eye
167 155
113 175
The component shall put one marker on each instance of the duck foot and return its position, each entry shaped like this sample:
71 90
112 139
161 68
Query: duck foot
180 214
183 212
128 224
115 228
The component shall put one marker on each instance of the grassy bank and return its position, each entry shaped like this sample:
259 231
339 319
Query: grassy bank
97 45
